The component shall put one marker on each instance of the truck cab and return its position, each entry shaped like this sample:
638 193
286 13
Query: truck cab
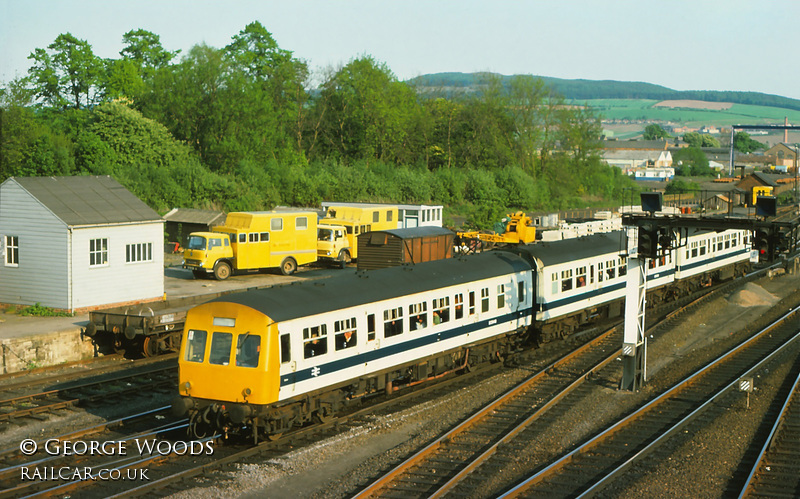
208 252
333 244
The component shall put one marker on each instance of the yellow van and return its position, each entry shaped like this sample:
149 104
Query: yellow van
255 240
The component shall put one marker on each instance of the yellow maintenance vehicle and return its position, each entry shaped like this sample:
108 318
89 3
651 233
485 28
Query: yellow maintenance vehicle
516 228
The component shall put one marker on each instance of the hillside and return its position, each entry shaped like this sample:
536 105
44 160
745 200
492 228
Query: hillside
582 90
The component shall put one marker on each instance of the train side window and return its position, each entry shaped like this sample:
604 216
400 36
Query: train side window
501 296
417 316
702 248
276 224
345 333
484 299
376 217
220 353
392 322
315 341
459 302
371 327
286 349
441 310
472 303
623 266
611 269
591 274
248 348
581 277
195 345
521 291
566 280
554 281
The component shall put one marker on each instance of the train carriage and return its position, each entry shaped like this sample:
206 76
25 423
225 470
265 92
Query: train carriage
280 356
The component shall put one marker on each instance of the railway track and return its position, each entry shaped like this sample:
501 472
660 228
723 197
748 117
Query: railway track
777 469
38 406
596 463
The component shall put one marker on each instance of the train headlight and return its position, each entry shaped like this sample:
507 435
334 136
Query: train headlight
186 387
246 392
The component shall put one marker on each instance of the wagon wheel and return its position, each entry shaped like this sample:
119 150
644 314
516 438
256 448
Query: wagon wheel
150 346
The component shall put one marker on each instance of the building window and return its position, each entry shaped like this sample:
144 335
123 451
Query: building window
12 251
98 252
140 252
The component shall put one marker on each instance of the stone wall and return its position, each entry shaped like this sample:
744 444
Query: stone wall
45 350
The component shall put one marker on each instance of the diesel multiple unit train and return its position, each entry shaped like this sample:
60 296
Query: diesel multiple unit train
260 362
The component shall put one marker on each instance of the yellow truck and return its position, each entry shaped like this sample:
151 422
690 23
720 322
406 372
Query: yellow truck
516 228
254 241
339 229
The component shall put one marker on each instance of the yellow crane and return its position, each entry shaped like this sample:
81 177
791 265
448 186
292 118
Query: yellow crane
518 228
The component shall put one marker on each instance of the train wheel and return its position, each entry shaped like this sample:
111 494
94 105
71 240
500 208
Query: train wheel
288 266
324 414
222 271
150 346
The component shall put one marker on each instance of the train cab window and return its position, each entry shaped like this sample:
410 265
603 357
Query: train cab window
441 310
315 341
345 333
195 345
472 303
580 280
459 303
623 266
521 291
501 296
248 347
253 237
220 353
417 316
566 280
286 349
371 327
243 238
392 322
484 299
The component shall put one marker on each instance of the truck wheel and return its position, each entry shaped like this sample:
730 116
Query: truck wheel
344 258
288 266
222 271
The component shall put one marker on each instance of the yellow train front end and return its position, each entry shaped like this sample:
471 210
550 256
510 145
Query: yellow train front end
228 367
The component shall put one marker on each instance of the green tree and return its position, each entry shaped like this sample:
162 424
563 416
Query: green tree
700 140
143 48
744 144
68 75
654 132
691 161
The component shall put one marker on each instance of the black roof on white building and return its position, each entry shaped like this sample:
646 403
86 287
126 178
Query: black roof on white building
87 200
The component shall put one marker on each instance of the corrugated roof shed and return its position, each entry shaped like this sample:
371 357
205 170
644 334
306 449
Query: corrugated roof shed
87 200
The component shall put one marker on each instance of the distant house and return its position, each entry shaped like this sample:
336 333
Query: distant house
654 174
78 243
651 154
782 154
778 183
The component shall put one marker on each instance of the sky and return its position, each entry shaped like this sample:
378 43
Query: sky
736 45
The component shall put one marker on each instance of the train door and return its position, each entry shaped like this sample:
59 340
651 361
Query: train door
372 338
288 364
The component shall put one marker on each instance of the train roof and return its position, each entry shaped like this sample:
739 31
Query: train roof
300 299
568 250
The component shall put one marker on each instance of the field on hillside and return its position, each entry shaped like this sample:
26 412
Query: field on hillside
645 110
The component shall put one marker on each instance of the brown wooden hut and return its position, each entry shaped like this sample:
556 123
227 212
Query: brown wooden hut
389 248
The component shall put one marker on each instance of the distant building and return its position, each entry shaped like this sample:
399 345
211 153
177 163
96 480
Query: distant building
180 222
78 243
408 215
